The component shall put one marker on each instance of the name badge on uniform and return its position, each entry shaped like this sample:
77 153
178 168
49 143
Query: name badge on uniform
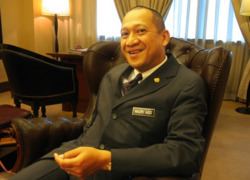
139 111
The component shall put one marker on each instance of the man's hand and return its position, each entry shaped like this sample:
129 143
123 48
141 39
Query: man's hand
84 161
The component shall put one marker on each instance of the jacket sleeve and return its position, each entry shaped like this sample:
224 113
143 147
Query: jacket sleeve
181 151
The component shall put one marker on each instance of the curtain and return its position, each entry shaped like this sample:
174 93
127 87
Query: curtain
83 23
244 23
162 6
239 59
210 23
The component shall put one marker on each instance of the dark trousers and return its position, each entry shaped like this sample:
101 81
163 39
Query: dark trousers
47 169
42 170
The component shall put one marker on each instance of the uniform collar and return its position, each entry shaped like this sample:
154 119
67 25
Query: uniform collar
146 73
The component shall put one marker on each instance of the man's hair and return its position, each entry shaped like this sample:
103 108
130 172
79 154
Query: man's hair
157 18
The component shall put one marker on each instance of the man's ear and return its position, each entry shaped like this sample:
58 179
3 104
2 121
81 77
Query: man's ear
166 37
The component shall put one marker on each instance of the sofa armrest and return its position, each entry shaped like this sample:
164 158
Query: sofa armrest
36 137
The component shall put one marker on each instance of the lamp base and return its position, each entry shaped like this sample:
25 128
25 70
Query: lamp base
243 110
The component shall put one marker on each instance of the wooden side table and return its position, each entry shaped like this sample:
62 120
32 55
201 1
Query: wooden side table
83 96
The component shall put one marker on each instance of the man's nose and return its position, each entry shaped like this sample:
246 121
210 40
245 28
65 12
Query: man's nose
132 39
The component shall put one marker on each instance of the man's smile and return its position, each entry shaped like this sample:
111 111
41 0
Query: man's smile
134 51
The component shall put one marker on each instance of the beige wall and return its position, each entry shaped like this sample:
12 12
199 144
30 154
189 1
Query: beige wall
17 22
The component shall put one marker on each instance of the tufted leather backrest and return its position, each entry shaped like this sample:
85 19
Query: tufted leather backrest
212 65
99 58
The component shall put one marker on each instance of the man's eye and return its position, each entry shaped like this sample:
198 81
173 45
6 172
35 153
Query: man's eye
141 31
124 34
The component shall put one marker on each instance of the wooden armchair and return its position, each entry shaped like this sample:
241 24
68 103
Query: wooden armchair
37 80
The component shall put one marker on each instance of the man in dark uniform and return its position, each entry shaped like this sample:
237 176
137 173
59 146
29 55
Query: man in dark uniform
151 129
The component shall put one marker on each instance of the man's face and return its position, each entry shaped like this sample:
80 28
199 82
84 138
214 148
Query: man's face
141 42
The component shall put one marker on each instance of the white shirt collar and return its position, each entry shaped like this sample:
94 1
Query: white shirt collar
148 72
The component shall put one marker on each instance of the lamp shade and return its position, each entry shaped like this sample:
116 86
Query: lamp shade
52 7
245 8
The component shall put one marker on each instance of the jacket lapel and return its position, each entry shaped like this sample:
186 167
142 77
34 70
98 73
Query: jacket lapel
156 80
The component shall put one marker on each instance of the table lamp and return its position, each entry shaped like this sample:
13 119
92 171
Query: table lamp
245 11
55 8
245 8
